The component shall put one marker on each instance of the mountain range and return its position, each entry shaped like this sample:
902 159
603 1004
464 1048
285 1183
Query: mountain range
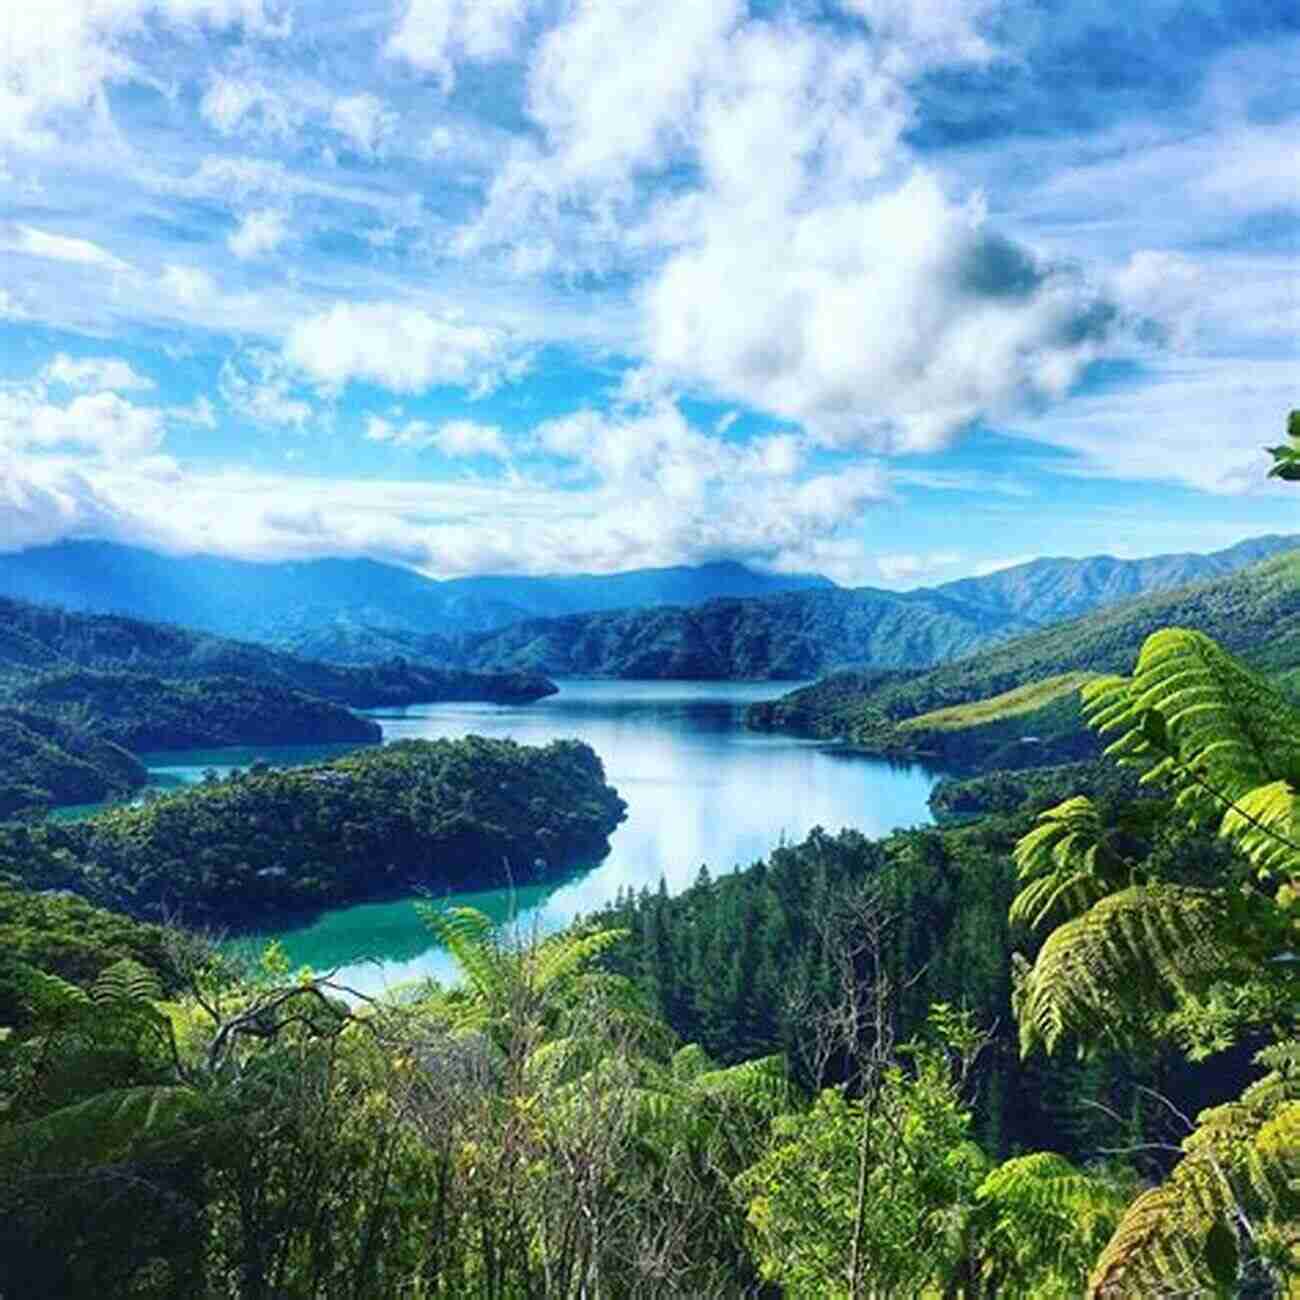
362 608
711 621
806 633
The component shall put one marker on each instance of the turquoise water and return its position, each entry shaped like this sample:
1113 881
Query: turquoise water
700 790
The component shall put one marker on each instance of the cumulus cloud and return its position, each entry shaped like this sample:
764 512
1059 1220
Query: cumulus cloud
402 348
885 322
103 423
259 233
363 121
435 35
94 372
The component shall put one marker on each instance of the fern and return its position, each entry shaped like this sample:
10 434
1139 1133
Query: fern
1236 1190
1064 865
1127 960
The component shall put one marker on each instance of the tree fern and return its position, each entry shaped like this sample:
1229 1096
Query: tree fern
1107 974
1064 865
1235 1193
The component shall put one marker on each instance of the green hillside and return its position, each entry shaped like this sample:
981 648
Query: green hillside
46 761
143 712
41 638
416 815
997 697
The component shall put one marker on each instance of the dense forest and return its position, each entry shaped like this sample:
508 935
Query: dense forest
37 638
266 843
48 760
142 712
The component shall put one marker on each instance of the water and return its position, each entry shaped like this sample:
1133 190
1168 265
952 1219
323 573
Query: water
700 790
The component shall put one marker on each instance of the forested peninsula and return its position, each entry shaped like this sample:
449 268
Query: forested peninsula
277 843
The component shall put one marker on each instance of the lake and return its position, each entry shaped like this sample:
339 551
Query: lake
700 790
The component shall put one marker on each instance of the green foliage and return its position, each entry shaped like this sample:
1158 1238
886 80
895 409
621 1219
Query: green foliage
38 639
143 712
419 814
1286 458
1164 959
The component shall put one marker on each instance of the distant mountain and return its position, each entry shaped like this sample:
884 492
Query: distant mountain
1016 704
314 606
1049 590
807 633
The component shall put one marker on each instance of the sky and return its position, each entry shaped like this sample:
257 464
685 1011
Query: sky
896 291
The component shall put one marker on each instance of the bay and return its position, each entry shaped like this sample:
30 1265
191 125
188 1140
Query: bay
700 789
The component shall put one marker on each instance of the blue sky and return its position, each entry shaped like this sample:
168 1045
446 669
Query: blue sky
897 290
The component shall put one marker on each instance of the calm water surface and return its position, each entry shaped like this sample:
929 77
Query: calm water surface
700 790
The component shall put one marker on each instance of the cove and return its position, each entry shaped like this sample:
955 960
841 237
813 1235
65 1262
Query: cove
700 788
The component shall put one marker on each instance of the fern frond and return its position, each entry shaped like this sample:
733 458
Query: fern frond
1242 1165
467 934
1108 973
563 955
126 983
1195 717
103 1129
1264 823
1064 863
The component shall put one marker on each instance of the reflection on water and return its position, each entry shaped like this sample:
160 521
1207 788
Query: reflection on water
700 790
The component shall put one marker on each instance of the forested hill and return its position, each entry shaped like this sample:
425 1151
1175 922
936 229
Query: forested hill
803 634
321 606
36 638
793 635
416 815
1026 688
142 712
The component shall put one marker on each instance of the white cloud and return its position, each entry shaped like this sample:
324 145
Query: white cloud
60 57
886 322
103 423
259 233
364 121
232 105
453 438
924 33
433 35
189 285
399 347
94 372
917 569
10 307
64 248
257 384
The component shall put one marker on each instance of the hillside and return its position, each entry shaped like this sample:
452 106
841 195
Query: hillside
142 712
37 638
46 761
314 606
793 635
1254 613
803 634
436 815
